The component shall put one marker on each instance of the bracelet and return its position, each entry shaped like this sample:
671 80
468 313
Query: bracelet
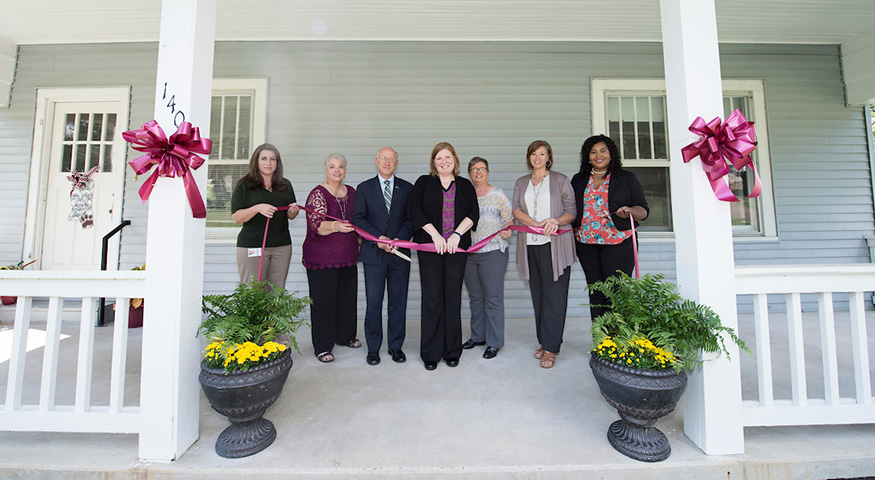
334 226
457 233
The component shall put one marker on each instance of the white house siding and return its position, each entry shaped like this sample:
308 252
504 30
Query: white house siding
487 99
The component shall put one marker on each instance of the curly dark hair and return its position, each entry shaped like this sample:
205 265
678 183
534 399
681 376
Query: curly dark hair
616 164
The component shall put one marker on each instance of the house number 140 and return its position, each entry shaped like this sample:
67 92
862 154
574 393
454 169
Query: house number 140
171 104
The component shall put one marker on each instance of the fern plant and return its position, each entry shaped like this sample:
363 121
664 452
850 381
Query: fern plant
255 312
650 309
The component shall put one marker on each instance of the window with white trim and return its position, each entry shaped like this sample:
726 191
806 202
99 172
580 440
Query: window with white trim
633 114
237 125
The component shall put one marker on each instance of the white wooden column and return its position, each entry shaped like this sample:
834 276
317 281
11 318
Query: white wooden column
169 395
703 231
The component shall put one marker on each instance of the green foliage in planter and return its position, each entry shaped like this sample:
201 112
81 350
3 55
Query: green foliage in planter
255 312
650 308
18 266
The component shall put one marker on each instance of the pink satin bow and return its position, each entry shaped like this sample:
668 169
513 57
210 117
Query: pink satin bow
175 157
731 140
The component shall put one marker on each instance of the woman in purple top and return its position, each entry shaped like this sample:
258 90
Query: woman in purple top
443 210
330 253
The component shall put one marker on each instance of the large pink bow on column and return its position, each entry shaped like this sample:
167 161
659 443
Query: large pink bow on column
175 157
731 140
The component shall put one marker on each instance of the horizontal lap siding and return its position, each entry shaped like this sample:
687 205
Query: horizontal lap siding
487 99
819 156
68 66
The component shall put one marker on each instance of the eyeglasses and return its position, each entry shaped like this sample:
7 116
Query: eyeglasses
479 170
387 159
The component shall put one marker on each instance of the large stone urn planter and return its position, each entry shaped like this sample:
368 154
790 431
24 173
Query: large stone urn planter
640 397
243 397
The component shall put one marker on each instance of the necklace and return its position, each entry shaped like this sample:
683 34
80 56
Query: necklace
536 189
599 172
340 204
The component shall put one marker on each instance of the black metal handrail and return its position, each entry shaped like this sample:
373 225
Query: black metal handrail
103 254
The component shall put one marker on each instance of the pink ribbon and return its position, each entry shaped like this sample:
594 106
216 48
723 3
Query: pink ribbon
422 247
731 140
429 247
634 247
175 157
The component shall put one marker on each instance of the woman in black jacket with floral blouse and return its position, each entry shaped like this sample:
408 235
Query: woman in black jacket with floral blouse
608 198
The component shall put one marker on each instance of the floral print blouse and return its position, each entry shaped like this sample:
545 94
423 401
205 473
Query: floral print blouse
495 212
596 226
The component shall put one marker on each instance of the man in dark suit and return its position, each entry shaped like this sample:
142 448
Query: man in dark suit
381 208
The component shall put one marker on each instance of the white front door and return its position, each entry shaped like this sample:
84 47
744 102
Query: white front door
83 135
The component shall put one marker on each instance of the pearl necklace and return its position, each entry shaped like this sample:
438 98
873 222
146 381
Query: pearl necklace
597 172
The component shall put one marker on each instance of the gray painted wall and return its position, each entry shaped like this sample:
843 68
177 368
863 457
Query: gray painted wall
487 99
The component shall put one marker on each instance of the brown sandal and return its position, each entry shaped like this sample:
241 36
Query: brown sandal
548 359
539 353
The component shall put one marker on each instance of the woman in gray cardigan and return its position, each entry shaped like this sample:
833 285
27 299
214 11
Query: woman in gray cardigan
545 199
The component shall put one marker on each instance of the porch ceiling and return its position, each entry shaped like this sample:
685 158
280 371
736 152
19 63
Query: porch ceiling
756 21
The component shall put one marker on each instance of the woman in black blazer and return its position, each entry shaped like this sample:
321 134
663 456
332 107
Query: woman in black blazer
443 211
608 199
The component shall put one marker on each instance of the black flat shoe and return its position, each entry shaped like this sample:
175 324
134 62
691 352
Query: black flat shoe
452 362
490 352
398 356
471 344
373 358
430 365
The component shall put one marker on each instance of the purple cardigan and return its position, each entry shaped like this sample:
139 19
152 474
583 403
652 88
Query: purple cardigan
336 250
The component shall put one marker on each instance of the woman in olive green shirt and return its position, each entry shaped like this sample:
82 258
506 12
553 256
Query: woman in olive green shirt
254 201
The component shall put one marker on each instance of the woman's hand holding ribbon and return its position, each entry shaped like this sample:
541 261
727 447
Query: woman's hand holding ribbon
550 226
266 209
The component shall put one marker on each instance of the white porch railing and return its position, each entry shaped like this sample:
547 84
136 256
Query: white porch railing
82 415
117 417
822 280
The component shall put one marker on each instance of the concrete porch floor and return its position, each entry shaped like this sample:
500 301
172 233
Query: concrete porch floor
503 418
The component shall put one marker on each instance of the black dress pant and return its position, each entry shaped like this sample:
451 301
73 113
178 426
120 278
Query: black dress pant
392 275
600 262
333 312
549 297
441 277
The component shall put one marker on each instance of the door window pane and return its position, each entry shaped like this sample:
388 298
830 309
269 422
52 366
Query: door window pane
83 127
67 159
87 140
97 127
80 157
69 127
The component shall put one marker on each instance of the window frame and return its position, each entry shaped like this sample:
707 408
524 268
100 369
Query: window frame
754 89
257 87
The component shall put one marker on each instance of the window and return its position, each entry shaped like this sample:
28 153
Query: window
633 113
87 142
237 126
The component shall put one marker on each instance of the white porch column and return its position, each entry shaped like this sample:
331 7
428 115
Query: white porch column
169 395
703 232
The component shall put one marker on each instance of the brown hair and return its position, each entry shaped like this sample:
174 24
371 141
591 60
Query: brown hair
444 146
476 160
536 145
253 176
